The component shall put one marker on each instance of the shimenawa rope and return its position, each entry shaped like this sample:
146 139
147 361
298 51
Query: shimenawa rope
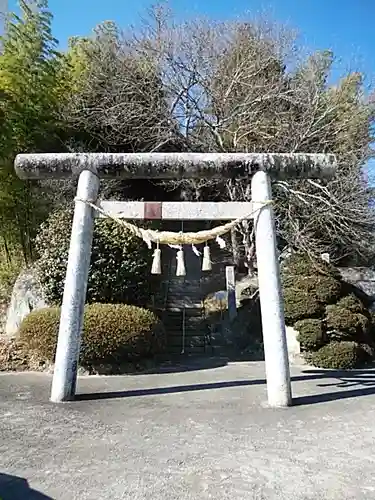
172 238
177 240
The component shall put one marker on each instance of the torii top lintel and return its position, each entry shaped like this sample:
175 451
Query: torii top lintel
174 165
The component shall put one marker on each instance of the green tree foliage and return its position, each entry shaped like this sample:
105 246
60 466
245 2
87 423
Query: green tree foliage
29 98
120 263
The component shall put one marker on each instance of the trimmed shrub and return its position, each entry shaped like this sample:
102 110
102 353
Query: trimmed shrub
339 356
112 333
353 304
319 305
324 288
311 334
120 263
38 332
349 289
300 305
302 265
346 320
327 289
305 296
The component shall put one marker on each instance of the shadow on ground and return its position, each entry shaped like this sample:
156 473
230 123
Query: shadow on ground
355 383
186 363
173 363
17 488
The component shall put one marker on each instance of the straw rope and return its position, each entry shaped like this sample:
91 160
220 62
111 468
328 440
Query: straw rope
172 238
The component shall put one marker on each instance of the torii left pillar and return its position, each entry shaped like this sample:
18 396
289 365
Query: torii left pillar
73 304
90 167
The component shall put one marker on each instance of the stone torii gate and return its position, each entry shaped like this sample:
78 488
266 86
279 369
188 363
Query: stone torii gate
91 167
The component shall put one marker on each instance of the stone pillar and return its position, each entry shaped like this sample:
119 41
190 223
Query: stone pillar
271 301
68 345
231 291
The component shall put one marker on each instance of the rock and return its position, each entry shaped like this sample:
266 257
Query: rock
294 348
245 287
218 301
361 277
27 296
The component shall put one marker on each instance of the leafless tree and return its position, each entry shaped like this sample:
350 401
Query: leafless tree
242 86
238 86
120 103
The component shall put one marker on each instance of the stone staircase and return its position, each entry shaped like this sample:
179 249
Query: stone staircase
182 302
184 318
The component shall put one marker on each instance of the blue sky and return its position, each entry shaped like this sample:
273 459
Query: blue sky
346 26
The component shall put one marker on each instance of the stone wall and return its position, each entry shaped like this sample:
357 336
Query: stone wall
361 277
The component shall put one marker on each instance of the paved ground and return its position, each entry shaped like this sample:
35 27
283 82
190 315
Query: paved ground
200 434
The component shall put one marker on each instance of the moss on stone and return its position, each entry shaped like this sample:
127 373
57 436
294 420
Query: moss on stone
339 356
322 308
311 334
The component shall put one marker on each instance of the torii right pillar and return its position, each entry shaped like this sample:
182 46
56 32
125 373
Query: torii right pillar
279 389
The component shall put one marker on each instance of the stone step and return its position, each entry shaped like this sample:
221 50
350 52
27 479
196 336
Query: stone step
194 319
181 286
198 296
185 289
188 318
187 350
178 311
193 325
182 304
189 313
191 340
186 293
177 330
178 338
185 297
195 329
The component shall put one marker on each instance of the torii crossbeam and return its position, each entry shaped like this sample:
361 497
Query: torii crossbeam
91 167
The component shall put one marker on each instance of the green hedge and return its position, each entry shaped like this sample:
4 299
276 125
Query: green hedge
112 333
311 334
339 356
308 287
120 263
301 305
300 264
335 328
348 320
